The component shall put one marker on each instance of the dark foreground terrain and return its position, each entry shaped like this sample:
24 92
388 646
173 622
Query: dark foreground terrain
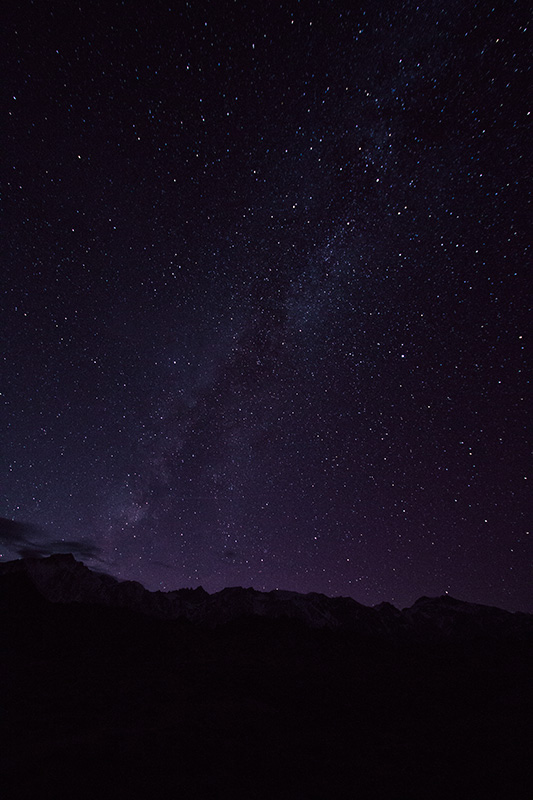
101 702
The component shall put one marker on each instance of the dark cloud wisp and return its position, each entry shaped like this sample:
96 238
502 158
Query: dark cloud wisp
29 541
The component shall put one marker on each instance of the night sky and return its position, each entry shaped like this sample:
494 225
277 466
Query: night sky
264 294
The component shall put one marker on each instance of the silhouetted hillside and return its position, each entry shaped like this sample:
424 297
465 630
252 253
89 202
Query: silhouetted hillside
104 701
62 579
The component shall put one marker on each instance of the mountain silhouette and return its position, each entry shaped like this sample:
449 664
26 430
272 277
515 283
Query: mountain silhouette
62 579
109 690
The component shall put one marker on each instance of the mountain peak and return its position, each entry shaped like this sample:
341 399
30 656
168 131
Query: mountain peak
62 579
61 558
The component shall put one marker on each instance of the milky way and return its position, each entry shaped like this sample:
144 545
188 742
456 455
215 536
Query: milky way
264 306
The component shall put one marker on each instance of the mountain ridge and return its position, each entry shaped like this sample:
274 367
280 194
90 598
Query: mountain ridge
249 694
60 578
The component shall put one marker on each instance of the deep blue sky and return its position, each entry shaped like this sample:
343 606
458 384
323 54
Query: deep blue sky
264 307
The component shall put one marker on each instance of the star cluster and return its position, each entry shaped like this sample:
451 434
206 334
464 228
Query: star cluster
264 306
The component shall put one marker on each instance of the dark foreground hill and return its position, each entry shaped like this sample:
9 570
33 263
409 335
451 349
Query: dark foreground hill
100 700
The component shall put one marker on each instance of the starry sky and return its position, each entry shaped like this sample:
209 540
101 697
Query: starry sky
264 297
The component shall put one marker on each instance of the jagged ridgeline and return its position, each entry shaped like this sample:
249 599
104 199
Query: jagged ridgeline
109 690
62 579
